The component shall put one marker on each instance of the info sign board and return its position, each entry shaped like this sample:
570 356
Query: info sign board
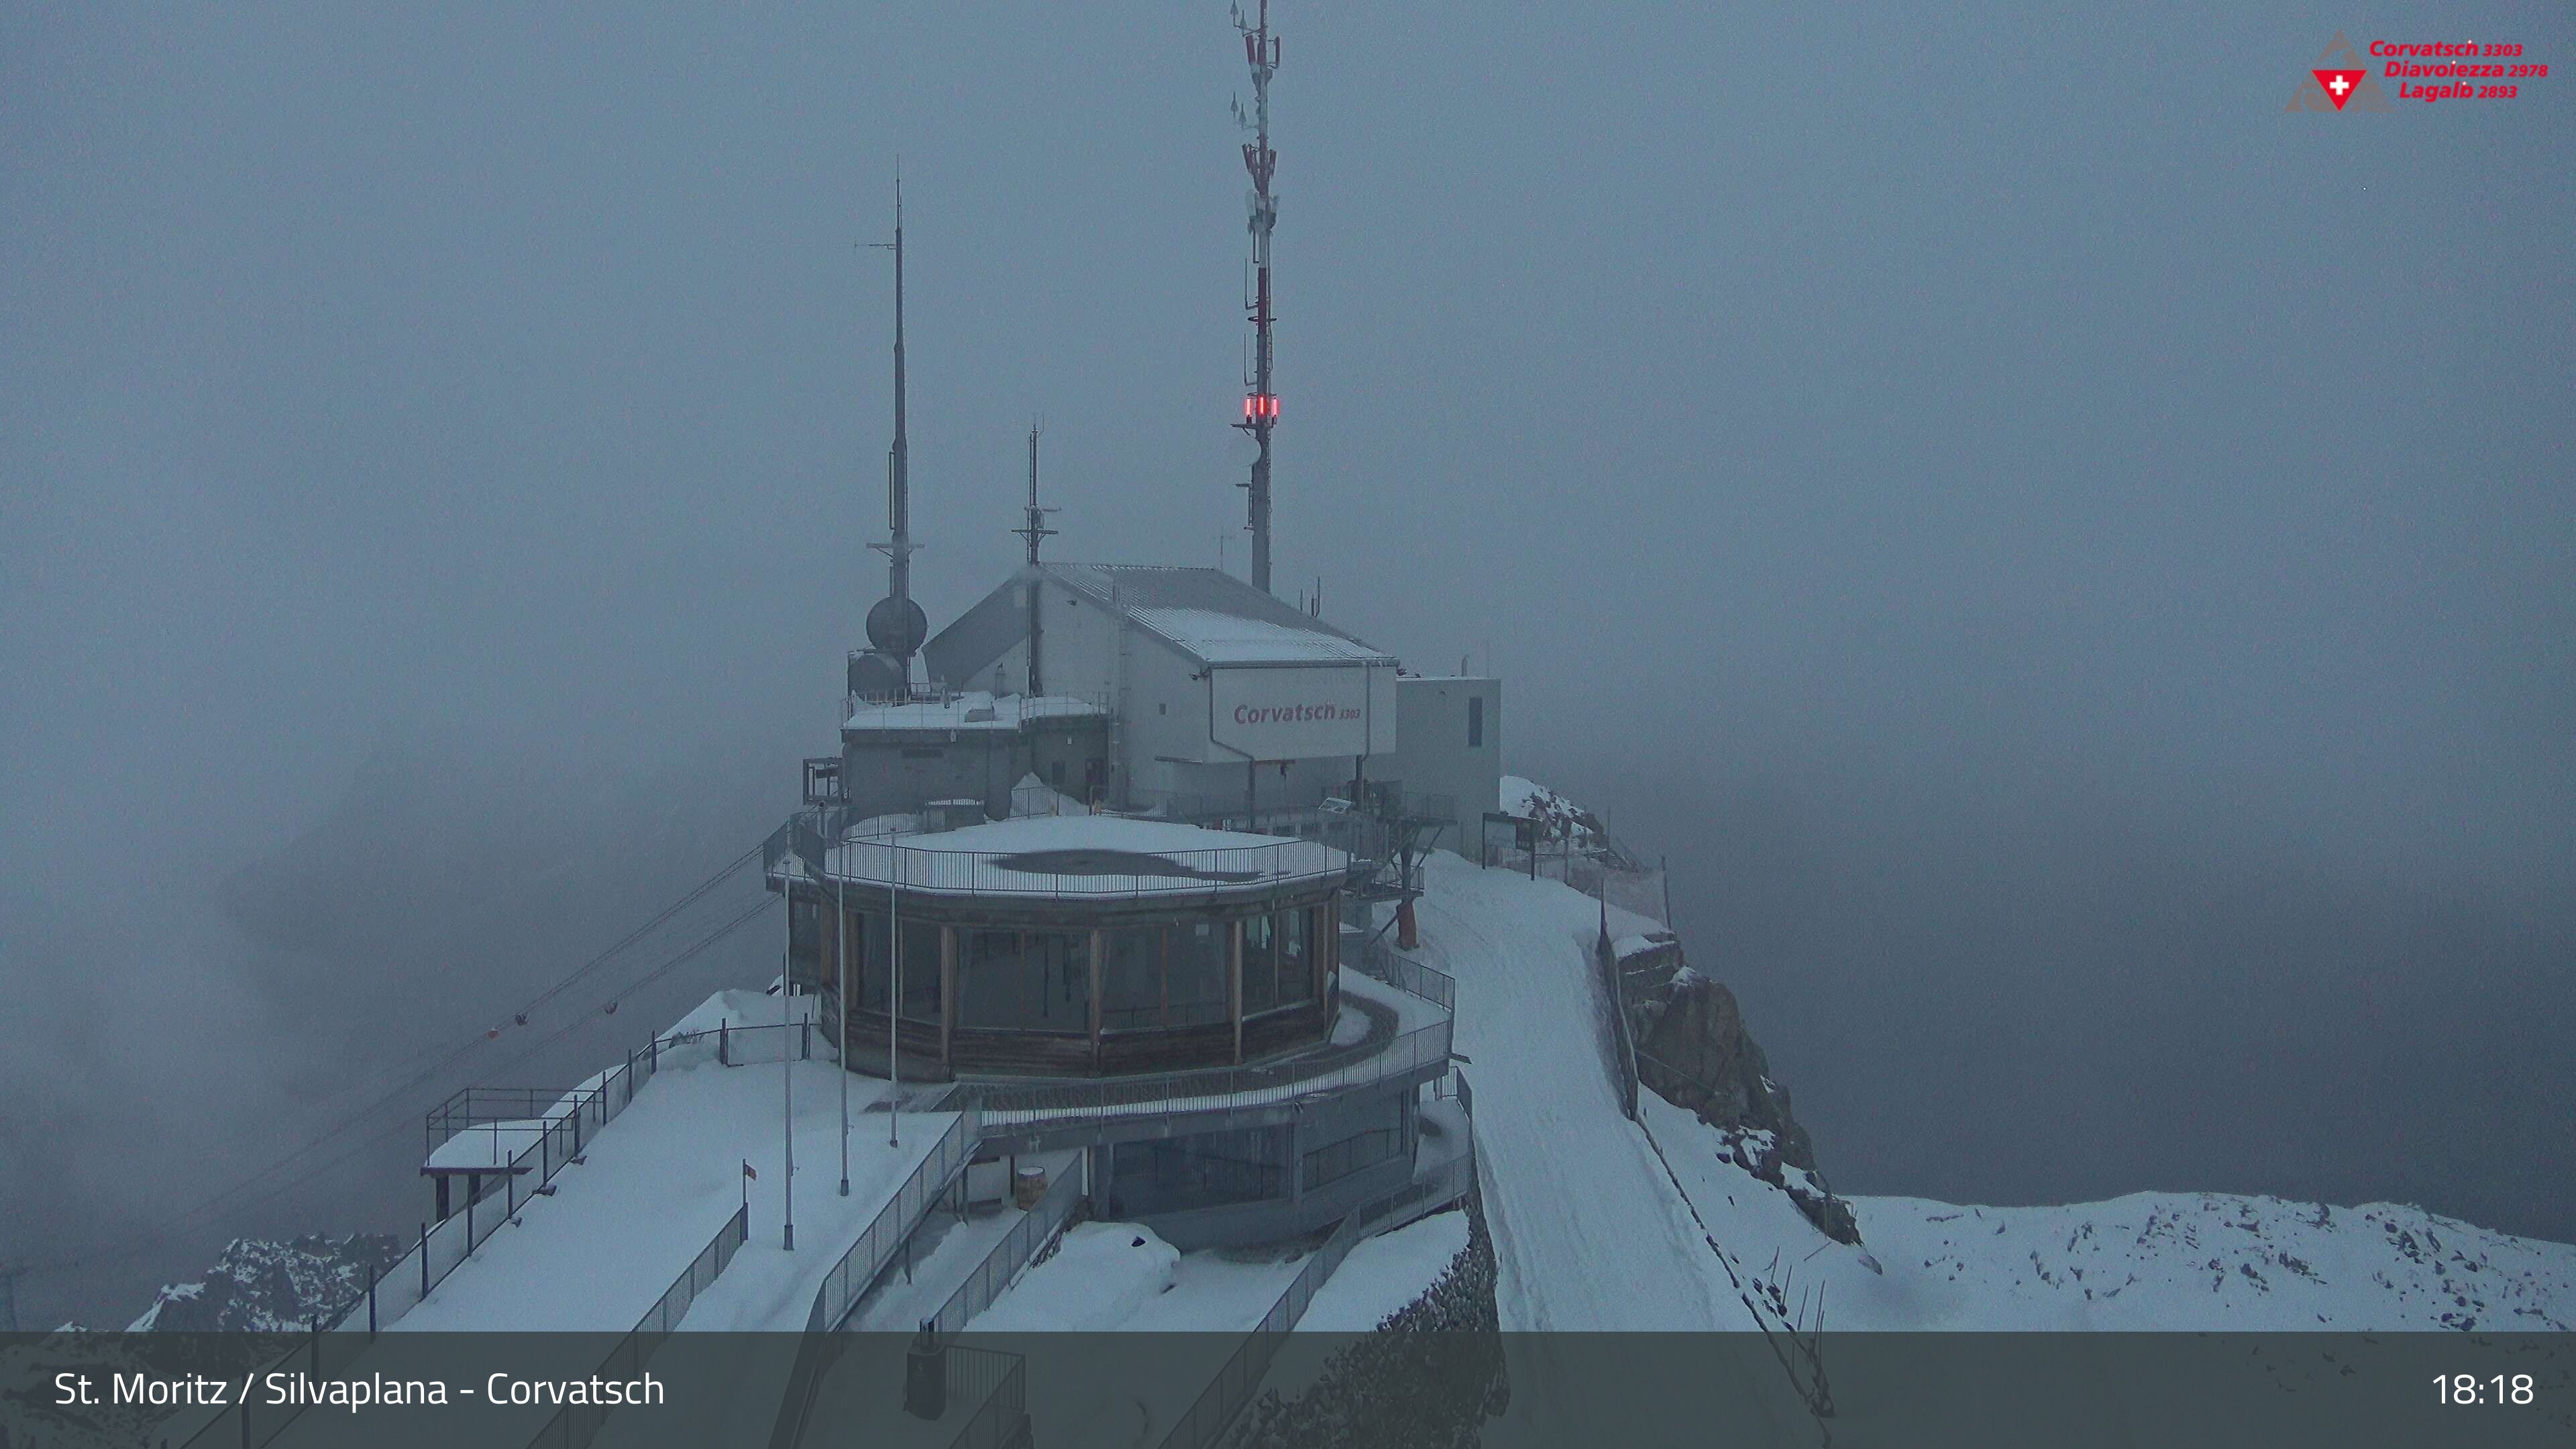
1306 712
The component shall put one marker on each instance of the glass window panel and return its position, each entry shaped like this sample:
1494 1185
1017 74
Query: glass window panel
868 968
1064 961
1296 956
1195 964
1260 965
1013 980
1207 1170
1131 979
920 948
994 984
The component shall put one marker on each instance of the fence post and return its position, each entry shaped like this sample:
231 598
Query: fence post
724 1043
371 1308
424 1255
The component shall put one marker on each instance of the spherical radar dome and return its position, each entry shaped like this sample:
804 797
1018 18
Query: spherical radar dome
875 676
897 626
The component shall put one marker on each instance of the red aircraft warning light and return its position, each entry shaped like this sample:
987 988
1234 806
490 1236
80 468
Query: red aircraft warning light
1259 407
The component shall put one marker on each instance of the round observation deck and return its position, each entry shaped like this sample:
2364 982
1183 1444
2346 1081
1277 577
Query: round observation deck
1074 945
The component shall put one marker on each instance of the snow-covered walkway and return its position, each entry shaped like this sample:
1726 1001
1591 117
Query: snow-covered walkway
1589 1233
1587 1229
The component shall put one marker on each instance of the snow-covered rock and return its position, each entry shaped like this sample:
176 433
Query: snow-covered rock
272 1287
1694 1051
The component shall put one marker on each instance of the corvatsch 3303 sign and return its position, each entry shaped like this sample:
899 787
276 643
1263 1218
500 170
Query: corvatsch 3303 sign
1303 713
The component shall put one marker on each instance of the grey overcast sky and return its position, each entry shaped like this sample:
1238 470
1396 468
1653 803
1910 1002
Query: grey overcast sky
2073 562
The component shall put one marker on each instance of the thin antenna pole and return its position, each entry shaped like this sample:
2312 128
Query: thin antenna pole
1261 402
896 629
894 997
841 1026
787 1066
1034 530
899 557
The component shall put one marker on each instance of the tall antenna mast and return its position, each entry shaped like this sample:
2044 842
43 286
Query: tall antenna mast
1034 530
1261 402
896 625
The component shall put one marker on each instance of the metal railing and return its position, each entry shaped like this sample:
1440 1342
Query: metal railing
1375 959
575 1425
1027 1237
997 1384
1015 1110
556 1138
1622 1045
1234 1385
933 702
882 863
858 1267
875 1246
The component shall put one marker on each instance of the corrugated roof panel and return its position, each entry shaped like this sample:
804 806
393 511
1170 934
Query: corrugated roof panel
1208 613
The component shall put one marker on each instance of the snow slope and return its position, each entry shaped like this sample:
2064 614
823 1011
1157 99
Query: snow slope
1601 1224
2151 1260
1588 1233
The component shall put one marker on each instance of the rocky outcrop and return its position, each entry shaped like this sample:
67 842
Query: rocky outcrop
268 1287
1693 1051
1428 1378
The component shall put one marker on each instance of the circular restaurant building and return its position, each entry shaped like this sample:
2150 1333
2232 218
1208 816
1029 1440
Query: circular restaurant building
1075 945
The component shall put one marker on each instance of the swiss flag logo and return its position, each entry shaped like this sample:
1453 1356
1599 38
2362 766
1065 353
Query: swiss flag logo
2339 84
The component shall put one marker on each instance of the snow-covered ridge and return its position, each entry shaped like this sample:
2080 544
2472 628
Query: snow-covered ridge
268 1287
1597 1221
1604 1223
2201 1262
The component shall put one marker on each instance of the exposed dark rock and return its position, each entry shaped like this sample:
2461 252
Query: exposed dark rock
1693 1050
267 1287
1431 1375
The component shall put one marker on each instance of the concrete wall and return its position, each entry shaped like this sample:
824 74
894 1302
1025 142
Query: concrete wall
1433 755
1163 705
891 771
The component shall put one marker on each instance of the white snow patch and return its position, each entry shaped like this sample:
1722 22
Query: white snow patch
1385 1273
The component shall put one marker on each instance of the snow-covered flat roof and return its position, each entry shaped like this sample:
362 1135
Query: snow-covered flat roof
1223 638
1084 855
974 710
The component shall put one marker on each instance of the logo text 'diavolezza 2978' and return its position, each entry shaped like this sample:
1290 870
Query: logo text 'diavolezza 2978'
2424 70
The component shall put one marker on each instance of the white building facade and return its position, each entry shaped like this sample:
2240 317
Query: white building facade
1223 700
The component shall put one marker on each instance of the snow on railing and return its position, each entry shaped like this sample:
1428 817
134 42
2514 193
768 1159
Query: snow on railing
1376 960
1015 1111
1013 872
858 1267
575 1425
1622 1045
557 1136
1027 1238
997 1384
1224 1398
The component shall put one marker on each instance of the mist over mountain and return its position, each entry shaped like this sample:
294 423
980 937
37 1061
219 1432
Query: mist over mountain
2082 586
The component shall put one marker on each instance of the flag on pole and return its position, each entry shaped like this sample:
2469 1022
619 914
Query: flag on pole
747 1172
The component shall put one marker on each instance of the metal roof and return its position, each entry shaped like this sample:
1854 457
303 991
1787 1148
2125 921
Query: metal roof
1207 614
